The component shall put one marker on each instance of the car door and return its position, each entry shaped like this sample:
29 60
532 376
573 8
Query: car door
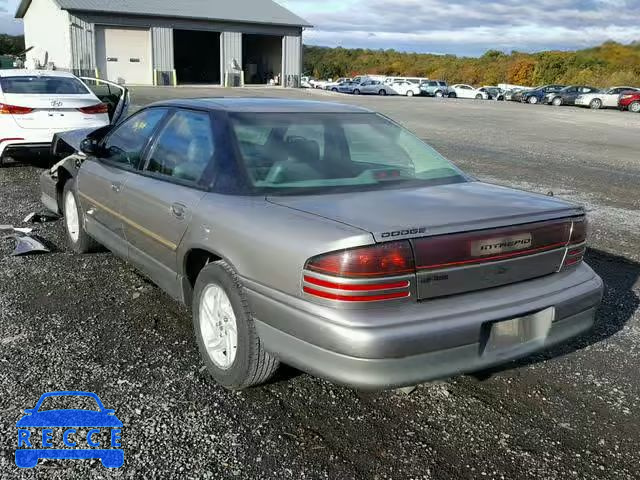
159 201
101 179
466 91
114 95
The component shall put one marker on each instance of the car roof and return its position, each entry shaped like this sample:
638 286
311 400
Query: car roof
262 105
22 72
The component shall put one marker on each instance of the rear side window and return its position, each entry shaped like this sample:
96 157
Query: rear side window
43 85
184 148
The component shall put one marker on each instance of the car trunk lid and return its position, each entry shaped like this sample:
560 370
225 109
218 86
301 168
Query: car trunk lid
465 236
52 111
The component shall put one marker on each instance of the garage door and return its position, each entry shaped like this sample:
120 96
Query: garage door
124 54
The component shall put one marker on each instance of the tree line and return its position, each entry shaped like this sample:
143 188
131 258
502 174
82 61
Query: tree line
609 64
11 44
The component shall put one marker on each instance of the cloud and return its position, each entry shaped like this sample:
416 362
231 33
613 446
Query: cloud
469 26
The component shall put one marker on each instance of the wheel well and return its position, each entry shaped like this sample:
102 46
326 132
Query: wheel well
195 261
63 177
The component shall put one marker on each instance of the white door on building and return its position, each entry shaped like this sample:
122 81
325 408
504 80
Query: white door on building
124 55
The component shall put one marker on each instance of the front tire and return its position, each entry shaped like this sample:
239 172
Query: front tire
356 92
533 100
479 97
557 101
438 94
225 332
634 107
78 239
410 93
382 92
334 89
595 104
453 95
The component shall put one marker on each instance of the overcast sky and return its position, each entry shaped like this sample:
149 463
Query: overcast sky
463 27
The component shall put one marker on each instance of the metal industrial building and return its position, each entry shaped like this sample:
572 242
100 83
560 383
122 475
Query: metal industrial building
167 42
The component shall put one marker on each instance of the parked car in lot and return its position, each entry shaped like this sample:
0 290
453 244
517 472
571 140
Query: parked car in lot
495 93
407 89
34 105
333 86
467 91
434 88
630 101
357 260
371 87
537 95
568 95
604 99
347 87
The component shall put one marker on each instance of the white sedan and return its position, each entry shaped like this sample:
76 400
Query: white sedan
461 90
405 88
605 99
35 105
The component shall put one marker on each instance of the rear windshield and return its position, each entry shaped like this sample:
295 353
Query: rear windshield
42 85
294 153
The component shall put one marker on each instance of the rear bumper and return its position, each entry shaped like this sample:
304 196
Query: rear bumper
419 341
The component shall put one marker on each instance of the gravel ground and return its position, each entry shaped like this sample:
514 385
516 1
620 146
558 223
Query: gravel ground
92 323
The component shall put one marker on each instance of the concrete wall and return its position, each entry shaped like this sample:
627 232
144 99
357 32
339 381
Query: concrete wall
46 28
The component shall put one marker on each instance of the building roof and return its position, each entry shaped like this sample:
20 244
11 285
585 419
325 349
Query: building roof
263 105
245 11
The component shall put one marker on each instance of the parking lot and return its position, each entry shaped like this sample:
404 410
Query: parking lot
92 323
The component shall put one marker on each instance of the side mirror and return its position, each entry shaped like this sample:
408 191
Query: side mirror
89 146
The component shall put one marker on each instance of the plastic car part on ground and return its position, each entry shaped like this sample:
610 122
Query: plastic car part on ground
42 216
26 245
12 229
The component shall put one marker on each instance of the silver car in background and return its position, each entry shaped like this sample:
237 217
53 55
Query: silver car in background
327 237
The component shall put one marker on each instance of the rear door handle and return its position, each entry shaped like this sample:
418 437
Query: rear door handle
116 187
178 210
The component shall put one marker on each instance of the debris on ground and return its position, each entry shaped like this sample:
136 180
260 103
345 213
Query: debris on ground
26 245
42 216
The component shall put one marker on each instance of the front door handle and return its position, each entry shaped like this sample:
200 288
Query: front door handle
116 187
178 210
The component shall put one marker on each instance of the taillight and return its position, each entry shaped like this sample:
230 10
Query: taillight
385 259
355 275
95 109
14 109
470 248
576 248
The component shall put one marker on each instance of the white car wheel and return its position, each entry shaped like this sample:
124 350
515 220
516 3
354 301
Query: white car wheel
410 93
635 107
71 217
595 104
218 326
439 94
533 100
557 101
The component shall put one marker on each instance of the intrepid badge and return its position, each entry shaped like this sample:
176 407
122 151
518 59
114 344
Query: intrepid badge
496 246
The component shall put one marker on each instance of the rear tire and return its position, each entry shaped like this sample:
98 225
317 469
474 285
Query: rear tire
249 364
438 94
634 107
595 104
356 92
382 92
334 89
410 93
78 239
453 95
479 97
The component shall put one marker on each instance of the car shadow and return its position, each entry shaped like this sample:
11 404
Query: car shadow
620 275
